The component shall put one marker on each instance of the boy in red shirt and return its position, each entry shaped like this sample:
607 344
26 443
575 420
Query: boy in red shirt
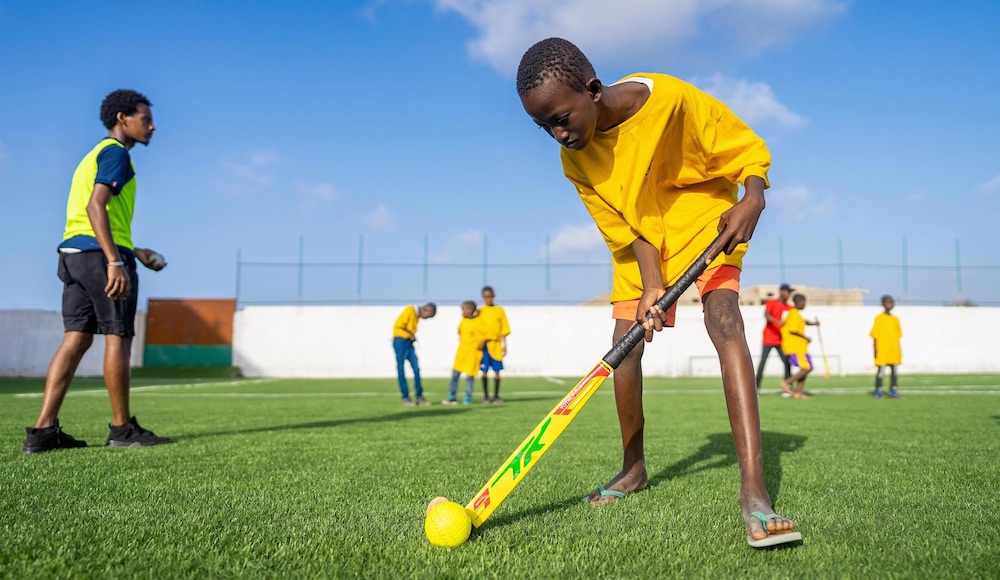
774 309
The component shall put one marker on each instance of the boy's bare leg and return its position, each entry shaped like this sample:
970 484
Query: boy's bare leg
628 398
117 377
725 328
60 374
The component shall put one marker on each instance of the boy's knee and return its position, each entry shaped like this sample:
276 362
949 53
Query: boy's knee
723 319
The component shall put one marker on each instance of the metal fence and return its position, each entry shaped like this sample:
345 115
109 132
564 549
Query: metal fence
547 281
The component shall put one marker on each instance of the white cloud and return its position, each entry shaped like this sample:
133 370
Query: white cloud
264 157
316 194
990 187
466 246
797 203
381 220
754 102
249 174
576 241
627 29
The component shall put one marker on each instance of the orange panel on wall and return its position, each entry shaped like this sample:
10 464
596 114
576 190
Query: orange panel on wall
190 321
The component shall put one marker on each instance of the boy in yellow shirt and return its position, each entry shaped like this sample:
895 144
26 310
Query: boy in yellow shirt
886 333
795 345
493 320
470 352
657 162
404 334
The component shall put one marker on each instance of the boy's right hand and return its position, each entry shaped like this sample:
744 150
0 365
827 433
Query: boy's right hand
657 316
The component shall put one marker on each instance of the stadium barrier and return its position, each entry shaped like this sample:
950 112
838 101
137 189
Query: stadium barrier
29 338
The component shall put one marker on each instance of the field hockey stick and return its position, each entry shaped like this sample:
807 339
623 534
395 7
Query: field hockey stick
822 351
545 433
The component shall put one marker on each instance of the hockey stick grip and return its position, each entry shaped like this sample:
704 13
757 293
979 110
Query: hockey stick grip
620 350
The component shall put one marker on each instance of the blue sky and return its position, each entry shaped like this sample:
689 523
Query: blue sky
397 120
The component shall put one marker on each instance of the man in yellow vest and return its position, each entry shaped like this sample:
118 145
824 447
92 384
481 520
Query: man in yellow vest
97 265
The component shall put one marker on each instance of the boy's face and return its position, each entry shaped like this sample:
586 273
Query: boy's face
426 312
139 125
800 302
468 311
888 303
488 297
569 116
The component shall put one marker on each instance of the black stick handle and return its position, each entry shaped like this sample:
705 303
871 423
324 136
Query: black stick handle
624 346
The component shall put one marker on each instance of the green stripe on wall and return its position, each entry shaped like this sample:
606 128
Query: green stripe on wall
187 355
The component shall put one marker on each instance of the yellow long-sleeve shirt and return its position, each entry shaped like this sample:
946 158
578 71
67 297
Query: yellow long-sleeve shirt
406 323
666 174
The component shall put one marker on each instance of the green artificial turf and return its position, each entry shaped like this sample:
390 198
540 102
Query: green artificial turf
330 478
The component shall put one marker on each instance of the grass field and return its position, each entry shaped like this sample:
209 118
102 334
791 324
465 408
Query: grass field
330 478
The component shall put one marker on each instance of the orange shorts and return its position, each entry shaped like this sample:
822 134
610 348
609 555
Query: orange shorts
724 276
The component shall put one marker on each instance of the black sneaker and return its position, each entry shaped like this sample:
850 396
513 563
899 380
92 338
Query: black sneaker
132 435
49 438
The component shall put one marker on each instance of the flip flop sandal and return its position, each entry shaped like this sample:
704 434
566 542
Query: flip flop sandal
775 538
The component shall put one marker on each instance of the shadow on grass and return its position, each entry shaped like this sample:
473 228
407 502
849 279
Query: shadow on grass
719 451
402 416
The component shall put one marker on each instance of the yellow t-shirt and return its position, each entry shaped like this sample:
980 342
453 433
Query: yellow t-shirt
790 343
495 327
666 174
407 321
886 331
468 357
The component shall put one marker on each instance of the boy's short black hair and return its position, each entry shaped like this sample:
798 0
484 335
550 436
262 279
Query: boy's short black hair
121 101
553 58
470 303
798 297
886 297
432 306
490 288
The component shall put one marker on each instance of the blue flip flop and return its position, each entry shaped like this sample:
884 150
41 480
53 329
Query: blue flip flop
772 539
607 493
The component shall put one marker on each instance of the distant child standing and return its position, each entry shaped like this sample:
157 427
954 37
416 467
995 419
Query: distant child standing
795 345
774 309
404 334
494 325
470 353
886 333
658 164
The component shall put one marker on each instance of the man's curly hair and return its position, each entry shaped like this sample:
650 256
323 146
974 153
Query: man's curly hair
553 58
121 101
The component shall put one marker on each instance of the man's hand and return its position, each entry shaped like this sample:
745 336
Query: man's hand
119 284
740 220
145 256
658 316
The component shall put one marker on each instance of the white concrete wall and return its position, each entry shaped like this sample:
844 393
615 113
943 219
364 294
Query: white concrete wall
333 341
29 338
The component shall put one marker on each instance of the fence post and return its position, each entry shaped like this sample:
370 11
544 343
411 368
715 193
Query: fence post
906 272
781 259
361 261
840 261
548 274
427 243
958 269
239 272
302 250
485 260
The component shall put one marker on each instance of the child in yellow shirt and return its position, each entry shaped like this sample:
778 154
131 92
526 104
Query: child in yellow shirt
404 334
886 333
470 352
795 346
657 163
493 320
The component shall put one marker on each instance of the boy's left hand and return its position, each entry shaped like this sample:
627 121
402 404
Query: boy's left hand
740 220
658 316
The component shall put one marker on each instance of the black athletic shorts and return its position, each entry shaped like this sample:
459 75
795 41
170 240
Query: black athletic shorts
85 305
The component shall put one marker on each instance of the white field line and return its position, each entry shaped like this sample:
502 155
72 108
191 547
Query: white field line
555 380
937 390
92 392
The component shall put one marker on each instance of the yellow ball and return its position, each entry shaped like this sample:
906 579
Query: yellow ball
447 525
